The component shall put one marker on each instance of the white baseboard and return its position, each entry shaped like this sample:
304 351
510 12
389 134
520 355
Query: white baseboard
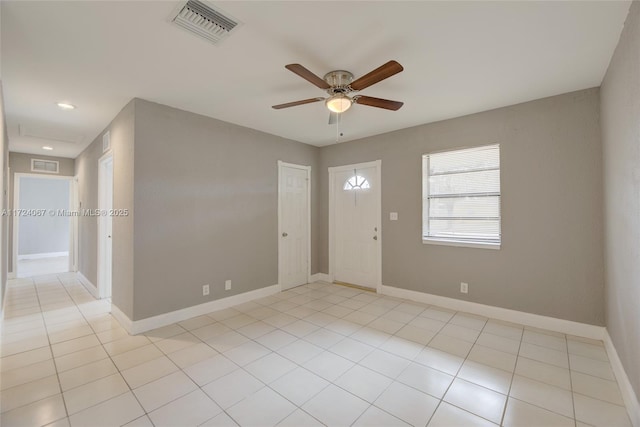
122 318
628 394
93 289
150 323
43 255
505 314
319 277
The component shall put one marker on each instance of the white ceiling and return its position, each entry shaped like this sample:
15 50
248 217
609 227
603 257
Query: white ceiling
459 58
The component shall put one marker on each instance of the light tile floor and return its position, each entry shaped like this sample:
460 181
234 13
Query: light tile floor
42 266
318 354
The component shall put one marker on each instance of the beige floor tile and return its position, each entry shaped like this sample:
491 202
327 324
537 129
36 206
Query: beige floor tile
486 376
36 414
164 390
597 388
299 418
448 415
522 414
485 403
191 355
232 388
595 367
25 394
87 373
408 404
149 371
27 374
113 412
544 372
299 385
491 357
345 407
543 395
269 368
364 383
210 369
599 413
25 358
189 410
136 356
266 407
94 392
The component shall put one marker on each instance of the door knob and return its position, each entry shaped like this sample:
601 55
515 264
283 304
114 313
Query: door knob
375 237
284 234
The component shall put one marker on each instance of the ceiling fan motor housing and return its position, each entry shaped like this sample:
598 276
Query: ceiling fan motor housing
339 81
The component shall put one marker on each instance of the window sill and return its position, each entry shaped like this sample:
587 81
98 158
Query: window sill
458 243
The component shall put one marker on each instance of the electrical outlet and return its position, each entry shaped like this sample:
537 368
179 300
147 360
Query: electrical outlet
205 289
227 285
464 287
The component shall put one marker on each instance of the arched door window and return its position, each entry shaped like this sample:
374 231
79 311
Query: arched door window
356 182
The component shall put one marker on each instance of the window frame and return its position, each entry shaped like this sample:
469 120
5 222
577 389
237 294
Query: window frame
462 242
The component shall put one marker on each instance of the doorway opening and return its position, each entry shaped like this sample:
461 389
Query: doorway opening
43 225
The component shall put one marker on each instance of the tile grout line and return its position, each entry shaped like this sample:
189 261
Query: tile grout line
64 402
108 356
513 376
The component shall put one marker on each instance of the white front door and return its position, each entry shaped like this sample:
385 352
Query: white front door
105 226
293 236
354 206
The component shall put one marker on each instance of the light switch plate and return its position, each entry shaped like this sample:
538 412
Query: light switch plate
393 216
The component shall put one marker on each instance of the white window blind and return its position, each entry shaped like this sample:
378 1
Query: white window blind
461 195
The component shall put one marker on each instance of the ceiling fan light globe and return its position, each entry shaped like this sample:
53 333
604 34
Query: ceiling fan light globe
339 103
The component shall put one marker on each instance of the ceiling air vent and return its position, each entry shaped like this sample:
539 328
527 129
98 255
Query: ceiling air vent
203 20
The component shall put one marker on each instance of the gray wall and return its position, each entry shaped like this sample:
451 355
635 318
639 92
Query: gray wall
45 233
122 140
21 163
551 260
206 207
620 110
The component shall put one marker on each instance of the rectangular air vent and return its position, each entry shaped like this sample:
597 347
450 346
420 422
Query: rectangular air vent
204 21
45 166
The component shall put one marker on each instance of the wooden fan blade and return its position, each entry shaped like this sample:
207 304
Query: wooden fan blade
333 118
293 104
379 102
307 75
385 71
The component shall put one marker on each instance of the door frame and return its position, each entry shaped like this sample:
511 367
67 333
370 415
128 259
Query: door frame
73 243
102 292
282 165
75 220
332 171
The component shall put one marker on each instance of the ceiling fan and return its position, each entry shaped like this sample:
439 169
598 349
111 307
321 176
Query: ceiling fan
340 86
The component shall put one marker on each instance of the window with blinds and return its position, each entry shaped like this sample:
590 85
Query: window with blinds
461 196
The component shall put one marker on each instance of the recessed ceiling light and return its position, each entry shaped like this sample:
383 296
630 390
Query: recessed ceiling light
66 106
48 148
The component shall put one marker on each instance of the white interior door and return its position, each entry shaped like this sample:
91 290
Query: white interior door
355 224
293 248
105 226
